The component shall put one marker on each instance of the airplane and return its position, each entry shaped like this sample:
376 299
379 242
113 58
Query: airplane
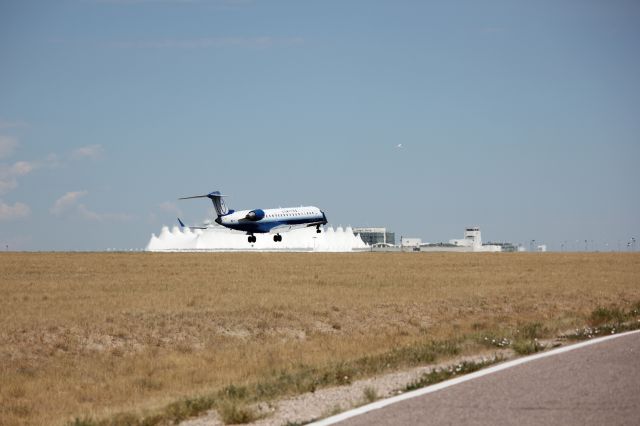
262 221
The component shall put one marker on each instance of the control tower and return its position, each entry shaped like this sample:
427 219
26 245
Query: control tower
472 235
471 239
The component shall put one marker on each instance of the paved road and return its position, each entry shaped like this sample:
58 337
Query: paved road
594 385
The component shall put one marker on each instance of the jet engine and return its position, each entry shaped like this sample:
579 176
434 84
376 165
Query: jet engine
255 215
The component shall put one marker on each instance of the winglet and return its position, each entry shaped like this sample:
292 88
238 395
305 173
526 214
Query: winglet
182 225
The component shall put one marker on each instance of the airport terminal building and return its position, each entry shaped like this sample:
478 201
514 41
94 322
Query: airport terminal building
374 236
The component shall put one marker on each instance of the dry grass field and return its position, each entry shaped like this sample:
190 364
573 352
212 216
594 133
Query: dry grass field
89 336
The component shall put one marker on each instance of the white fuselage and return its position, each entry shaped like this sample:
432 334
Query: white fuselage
273 220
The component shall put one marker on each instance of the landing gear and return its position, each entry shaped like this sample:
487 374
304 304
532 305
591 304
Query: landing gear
318 229
252 238
277 238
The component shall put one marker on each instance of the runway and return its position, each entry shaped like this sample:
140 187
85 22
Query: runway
597 383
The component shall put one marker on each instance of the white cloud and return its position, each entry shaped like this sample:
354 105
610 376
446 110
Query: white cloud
69 203
170 207
7 145
7 185
90 151
9 174
15 211
53 161
22 168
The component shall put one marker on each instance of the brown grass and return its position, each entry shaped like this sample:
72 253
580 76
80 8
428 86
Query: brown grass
94 335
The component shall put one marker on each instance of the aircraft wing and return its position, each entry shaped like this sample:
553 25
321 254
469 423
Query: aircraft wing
284 228
281 228
320 222
182 225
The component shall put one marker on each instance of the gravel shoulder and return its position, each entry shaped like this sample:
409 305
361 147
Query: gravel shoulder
325 402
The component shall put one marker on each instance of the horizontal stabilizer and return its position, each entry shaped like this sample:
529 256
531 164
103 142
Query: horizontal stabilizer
211 195
195 196
216 199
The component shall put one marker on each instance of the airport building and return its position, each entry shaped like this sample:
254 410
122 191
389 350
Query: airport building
373 236
506 247
410 242
472 242
472 238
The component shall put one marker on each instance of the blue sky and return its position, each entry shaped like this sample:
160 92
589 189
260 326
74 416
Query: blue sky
520 117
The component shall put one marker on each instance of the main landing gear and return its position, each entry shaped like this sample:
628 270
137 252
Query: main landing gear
318 229
277 238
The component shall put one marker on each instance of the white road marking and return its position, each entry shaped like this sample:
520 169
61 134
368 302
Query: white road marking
448 383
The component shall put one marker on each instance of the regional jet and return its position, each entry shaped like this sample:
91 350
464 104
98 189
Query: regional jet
262 221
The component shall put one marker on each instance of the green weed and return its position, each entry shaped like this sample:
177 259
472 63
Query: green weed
188 407
234 412
370 394
532 330
442 374
602 315
83 422
527 346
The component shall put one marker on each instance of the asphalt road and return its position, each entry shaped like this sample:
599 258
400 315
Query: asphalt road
593 385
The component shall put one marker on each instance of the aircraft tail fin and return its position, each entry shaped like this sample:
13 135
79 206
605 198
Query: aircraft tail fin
216 198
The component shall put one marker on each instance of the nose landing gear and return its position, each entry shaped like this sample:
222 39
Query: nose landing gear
252 238
318 229
277 238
